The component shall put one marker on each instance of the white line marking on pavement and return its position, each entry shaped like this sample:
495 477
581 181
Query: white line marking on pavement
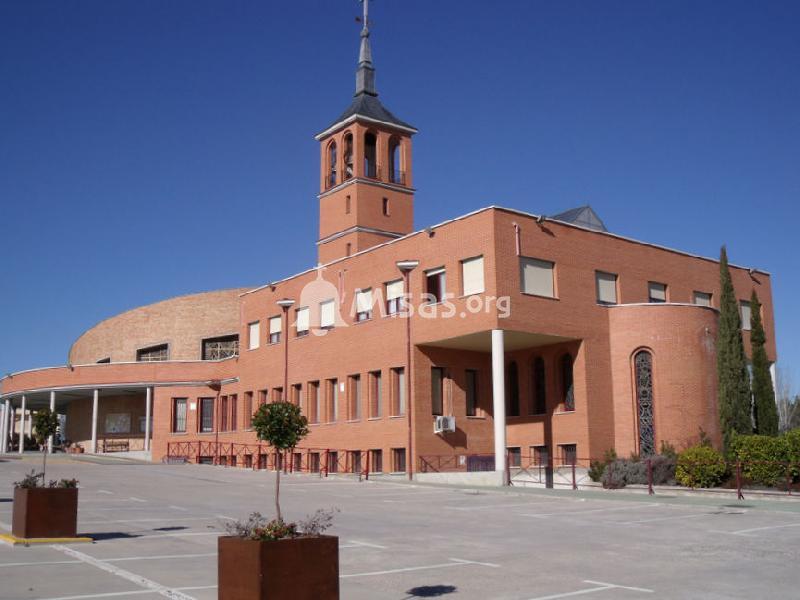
746 531
498 505
104 595
601 586
367 544
123 574
583 512
472 562
455 563
104 492
129 558
36 564
675 518
135 499
173 507
225 518
148 520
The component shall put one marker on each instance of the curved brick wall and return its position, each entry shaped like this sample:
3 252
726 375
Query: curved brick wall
181 322
682 340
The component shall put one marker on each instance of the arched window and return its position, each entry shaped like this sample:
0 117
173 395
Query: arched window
538 387
567 383
331 181
643 372
348 249
370 155
348 156
512 393
395 174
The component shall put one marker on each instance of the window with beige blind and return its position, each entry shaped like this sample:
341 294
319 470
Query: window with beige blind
606 287
327 314
302 321
656 292
536 276
472 276
275 330
364 304
254 331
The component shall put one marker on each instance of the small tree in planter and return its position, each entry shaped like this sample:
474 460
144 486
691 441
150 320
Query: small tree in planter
263 559
45 424
281 425
41 511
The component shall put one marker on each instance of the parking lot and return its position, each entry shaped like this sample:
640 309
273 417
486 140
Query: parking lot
156 527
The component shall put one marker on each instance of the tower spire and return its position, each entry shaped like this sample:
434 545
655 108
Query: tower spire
365 74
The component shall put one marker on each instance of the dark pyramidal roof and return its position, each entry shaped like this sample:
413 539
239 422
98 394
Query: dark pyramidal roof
583 216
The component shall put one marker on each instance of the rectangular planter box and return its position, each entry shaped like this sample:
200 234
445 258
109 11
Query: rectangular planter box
293 569
45 513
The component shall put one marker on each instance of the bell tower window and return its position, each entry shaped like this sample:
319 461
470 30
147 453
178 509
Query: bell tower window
395 174
348 156
347 205
331 180
385 207
370 155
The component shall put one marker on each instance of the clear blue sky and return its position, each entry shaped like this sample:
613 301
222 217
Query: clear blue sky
150 149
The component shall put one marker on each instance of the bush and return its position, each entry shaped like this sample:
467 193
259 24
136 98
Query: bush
598 467
793 450
762 457
633 471
700 466
668 450
664 469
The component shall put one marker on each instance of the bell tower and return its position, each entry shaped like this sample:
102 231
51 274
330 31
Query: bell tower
366 196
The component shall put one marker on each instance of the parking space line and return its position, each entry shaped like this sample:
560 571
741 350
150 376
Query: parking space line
752 529
160 557
103 595
139 580
366 544
454 562
600 586
583 512
657 519
485 506
36 564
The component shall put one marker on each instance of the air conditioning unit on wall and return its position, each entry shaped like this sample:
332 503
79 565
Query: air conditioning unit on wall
444 424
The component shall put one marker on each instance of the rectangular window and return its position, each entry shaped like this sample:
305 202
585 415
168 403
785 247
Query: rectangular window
745 310
437 390
297 393
540 456
536 276
394 292
333 462
274 330
327 314
471 389
376 461
179 415
702 298
254 332
472 276
234 399
657 292
398 391
302 321
538 387
355 397
398 460
313 401
153 353
569 454
606 287
277 394
206 415
435 285
220 347
223 413
248 410
364 305
375 395
262 397
332 399
313 462
514 457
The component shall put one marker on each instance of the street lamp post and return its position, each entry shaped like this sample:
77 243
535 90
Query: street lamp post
406 266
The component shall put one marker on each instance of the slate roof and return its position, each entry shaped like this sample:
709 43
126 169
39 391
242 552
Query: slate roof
367 105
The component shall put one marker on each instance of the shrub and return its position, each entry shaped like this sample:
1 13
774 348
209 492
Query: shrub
792 439
257 527
762 457
598 467
34 480
668 450
700 466
622 472
664 469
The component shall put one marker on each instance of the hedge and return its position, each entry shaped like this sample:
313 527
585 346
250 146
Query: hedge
700 467
763 457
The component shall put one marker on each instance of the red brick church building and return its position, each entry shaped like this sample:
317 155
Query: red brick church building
544 339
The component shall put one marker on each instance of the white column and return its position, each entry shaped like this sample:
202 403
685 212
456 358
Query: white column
148 401
52 410
22 427
4 427
94 421
499 400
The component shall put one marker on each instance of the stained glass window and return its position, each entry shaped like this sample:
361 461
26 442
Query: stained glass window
643 365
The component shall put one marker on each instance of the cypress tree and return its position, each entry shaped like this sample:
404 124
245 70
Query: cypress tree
765 410
733 385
